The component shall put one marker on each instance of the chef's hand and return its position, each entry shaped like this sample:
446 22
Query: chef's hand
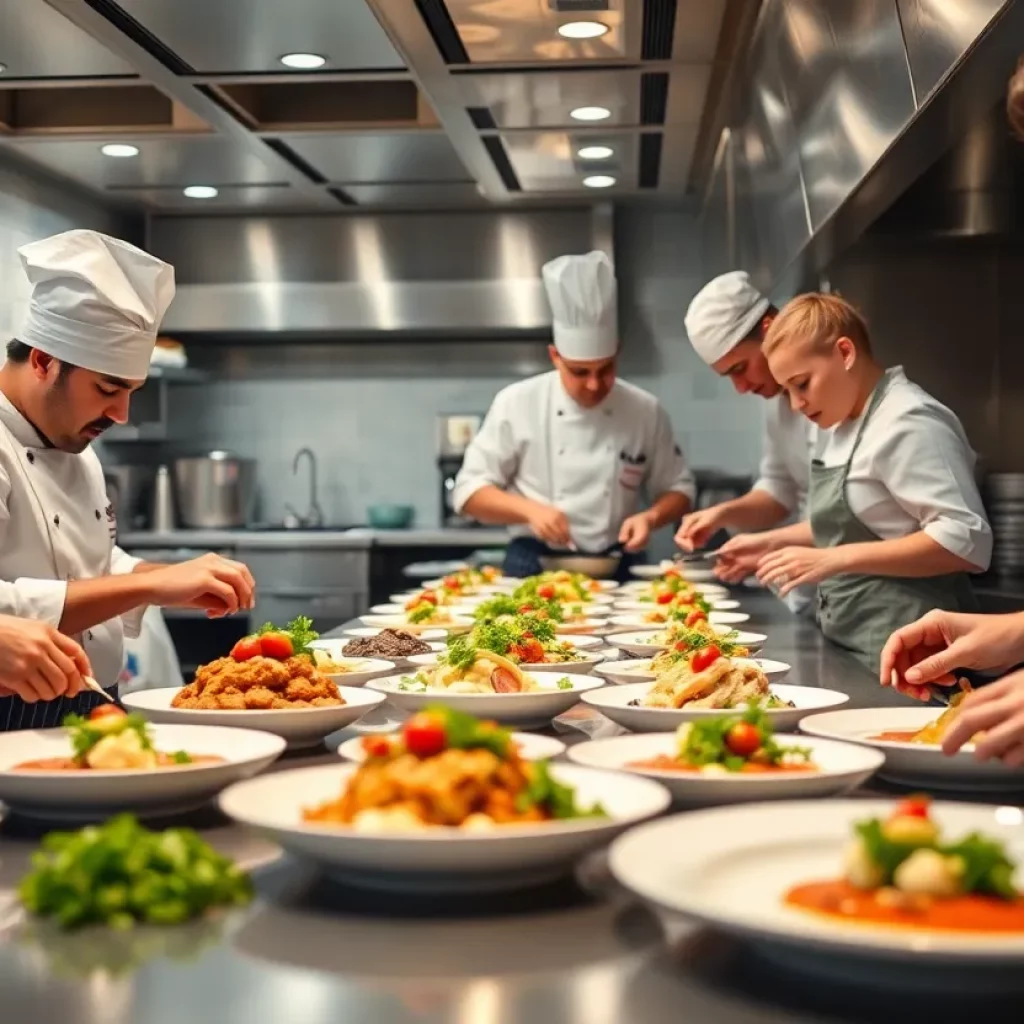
928 650
795 566
39 663
635 532
998 711
216 584
699 527
550 525
739 556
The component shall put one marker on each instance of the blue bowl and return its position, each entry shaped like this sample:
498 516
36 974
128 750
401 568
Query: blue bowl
390 517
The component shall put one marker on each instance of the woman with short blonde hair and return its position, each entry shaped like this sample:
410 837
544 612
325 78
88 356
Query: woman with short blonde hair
895 521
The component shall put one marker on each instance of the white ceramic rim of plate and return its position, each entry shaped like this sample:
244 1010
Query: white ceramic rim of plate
370 631
353 696
580 684
620 696
532 746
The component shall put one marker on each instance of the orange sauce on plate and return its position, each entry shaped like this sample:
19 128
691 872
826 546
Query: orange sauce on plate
971 913
897 735
68 764
666 763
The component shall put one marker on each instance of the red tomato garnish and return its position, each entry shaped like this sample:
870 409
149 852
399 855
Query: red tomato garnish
696 616
429 596
277 646
246 648
681 645
376 746
526 609
594 586
743 739
534 651
546 591
705 658
664 598
451 583
672 574
106 711
424 735
913 807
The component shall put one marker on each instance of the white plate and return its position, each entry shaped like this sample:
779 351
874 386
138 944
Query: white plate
362 670
635 620
462 610
585 667
842 766
398 622
717 604
584 627
732 866
334 649
472 597
641 642
300 727
531 747
633 670
439 858
634 591
523 709
914 764
427 634
97 794
613 703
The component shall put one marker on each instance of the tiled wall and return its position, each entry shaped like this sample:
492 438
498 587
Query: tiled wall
368 410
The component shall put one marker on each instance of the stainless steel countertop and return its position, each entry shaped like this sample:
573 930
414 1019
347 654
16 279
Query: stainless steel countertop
313 950
358 539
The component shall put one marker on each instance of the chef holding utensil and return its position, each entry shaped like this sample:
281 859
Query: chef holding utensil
726 323
562 457
95 306
895 519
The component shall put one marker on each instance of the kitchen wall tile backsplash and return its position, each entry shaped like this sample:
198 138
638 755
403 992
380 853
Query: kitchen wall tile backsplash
368 410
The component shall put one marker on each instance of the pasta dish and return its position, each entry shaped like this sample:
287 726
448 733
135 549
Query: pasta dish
708 679
472 670
680 641
447 769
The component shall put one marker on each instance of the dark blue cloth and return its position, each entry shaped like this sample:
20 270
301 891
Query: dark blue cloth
17 714
523 555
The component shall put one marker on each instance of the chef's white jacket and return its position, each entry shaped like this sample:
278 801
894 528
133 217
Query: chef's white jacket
789 441
913 470
56 525
590 463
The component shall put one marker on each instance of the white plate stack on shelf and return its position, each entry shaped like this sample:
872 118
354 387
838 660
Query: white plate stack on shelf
1004 499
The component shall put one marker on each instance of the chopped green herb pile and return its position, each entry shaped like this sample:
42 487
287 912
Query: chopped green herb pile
120 873
560 800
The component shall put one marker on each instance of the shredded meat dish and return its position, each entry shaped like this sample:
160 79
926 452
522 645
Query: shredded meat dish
259 684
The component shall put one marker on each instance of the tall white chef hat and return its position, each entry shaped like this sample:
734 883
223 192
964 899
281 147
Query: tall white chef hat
581 290
96 301
724 312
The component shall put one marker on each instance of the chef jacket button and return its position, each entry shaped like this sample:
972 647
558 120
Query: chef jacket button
31 457
561 451
56 520
97 511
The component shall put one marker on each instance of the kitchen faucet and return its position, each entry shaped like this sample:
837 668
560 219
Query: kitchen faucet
315 515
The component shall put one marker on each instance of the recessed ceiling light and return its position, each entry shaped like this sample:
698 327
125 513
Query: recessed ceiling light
3 68
201 192
599 181
595 152
119 149
582 29
590 113
303 61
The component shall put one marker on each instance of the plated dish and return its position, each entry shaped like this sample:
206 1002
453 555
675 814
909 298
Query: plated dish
530 745
421 623
734 757
652 642
913 756
633 670
739 868
116 762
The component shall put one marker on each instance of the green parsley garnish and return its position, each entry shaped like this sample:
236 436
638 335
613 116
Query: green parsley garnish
558 799
300 631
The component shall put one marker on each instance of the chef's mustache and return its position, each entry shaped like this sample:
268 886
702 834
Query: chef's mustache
99 425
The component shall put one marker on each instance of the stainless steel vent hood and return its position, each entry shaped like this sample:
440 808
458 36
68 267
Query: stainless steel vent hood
468 274
844 106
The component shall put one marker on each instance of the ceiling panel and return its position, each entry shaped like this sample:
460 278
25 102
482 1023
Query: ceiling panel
550 161
429 194
544 99
698 23
250 35
517 31
37 42
161 161
380 156
267 198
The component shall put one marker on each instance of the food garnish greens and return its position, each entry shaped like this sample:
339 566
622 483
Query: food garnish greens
270 641
119 873
733 741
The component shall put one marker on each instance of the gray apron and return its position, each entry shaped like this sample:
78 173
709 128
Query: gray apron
857 612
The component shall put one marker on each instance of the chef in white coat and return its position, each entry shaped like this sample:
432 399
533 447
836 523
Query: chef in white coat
95 306
563 457
726 323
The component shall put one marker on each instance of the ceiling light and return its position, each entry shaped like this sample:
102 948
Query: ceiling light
599 181
590 113
595 152
119 149
3 68
303 61
201 192
582 29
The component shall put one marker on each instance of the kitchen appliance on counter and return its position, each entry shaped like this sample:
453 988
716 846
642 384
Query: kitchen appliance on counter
454 434
130 489
215 491
1004 502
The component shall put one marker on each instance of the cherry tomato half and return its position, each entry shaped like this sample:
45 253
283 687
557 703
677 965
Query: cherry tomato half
696 616
246 648
664 598
546 591
743 739
424 735
106 711
277 646
913 807
705 658
376 746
